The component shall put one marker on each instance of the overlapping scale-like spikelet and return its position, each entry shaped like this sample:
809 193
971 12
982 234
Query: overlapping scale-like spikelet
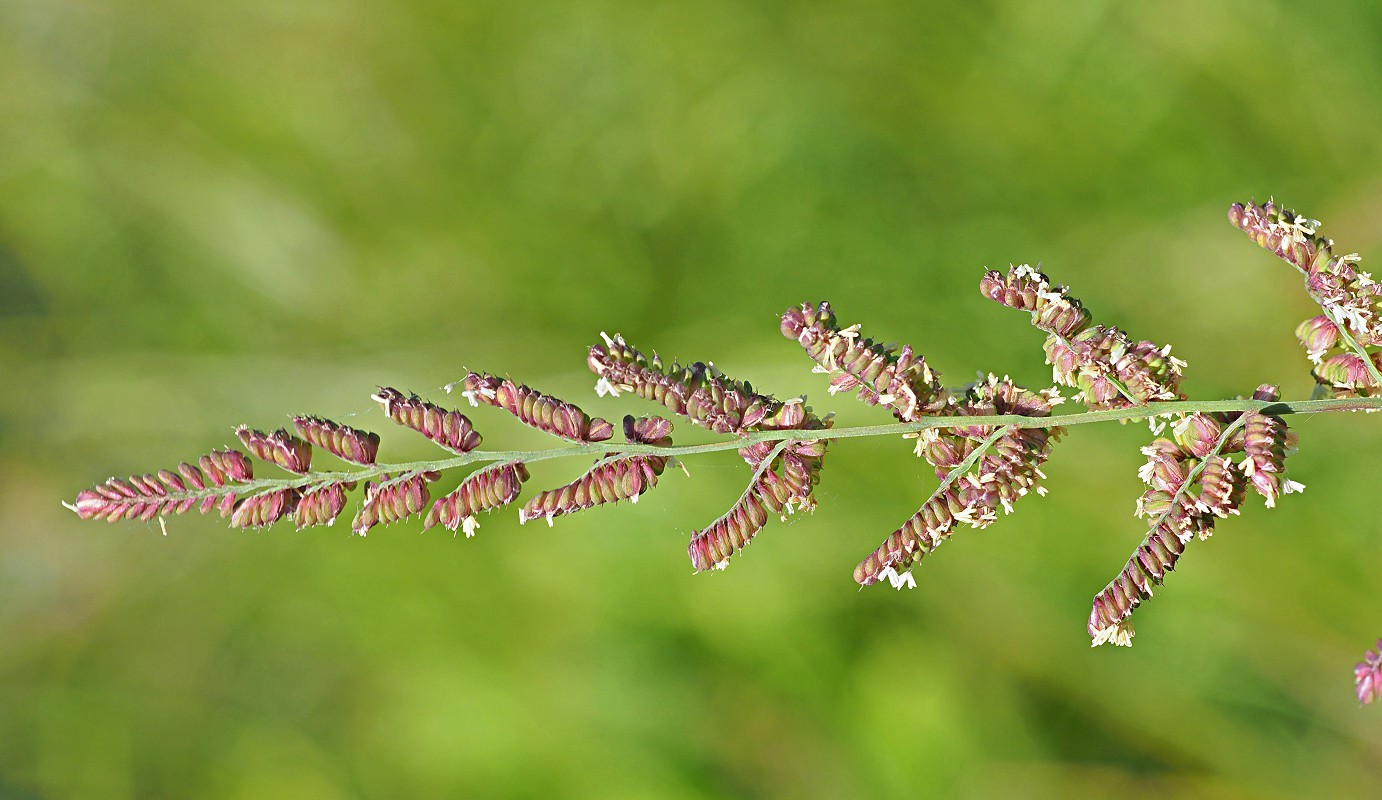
609 481
344 442
699 392
1108 369
535 409
900 380
486 490
391 500
448 428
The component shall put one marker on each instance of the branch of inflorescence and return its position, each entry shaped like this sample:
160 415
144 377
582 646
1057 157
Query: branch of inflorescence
613 450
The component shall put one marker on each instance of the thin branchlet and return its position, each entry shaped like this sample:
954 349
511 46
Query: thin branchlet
986 441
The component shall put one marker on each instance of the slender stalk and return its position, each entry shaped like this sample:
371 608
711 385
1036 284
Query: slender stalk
614 449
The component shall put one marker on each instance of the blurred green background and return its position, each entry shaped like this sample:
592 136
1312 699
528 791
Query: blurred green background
214 213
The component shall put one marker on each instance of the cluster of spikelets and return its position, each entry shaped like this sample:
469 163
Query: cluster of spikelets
1196 476
1345 342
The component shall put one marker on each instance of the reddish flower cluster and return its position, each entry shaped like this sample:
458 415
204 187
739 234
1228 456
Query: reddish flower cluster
779 487
1109 369
1338 342
700 393
342 441
535 409
450 429
1009 470
321 504
264 509
168 492
900 380
609 481
280 447
391 500
1191 483
485 490
713 400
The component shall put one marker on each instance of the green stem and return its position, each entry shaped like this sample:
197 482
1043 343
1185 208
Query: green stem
375 472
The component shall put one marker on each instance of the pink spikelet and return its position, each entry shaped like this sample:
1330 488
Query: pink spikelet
485 490
535 409
263 510
450 429
344 442
169 491
899 380
392 500
609 481
1367 675
280 447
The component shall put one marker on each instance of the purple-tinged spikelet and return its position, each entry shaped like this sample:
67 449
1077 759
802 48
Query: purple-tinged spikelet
450 429
1318 335
344 442
1288 235
609 481
222 467
699 392
168 491
1191 483
779 488
1348 371
1010 470
900 380
1027 289
321 504
1367 675
535 409
263 510
280 447
1109 369
1222 487
1350 298
624 479
485 490
392 500
1266 442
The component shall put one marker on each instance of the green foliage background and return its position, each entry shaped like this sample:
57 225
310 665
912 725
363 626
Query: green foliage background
214 213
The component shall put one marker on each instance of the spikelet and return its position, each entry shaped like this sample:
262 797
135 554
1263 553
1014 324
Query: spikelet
1288 235
1367 675
1109 369
1191 483
1011 469
450 429
780 487
699 392
321 504
900 380
608 481
263 510
392 500
1337 341
535 409
1027 289
342 441
280 447
221 467
485 490
168 491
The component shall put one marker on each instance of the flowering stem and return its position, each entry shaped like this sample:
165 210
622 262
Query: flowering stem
614 450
